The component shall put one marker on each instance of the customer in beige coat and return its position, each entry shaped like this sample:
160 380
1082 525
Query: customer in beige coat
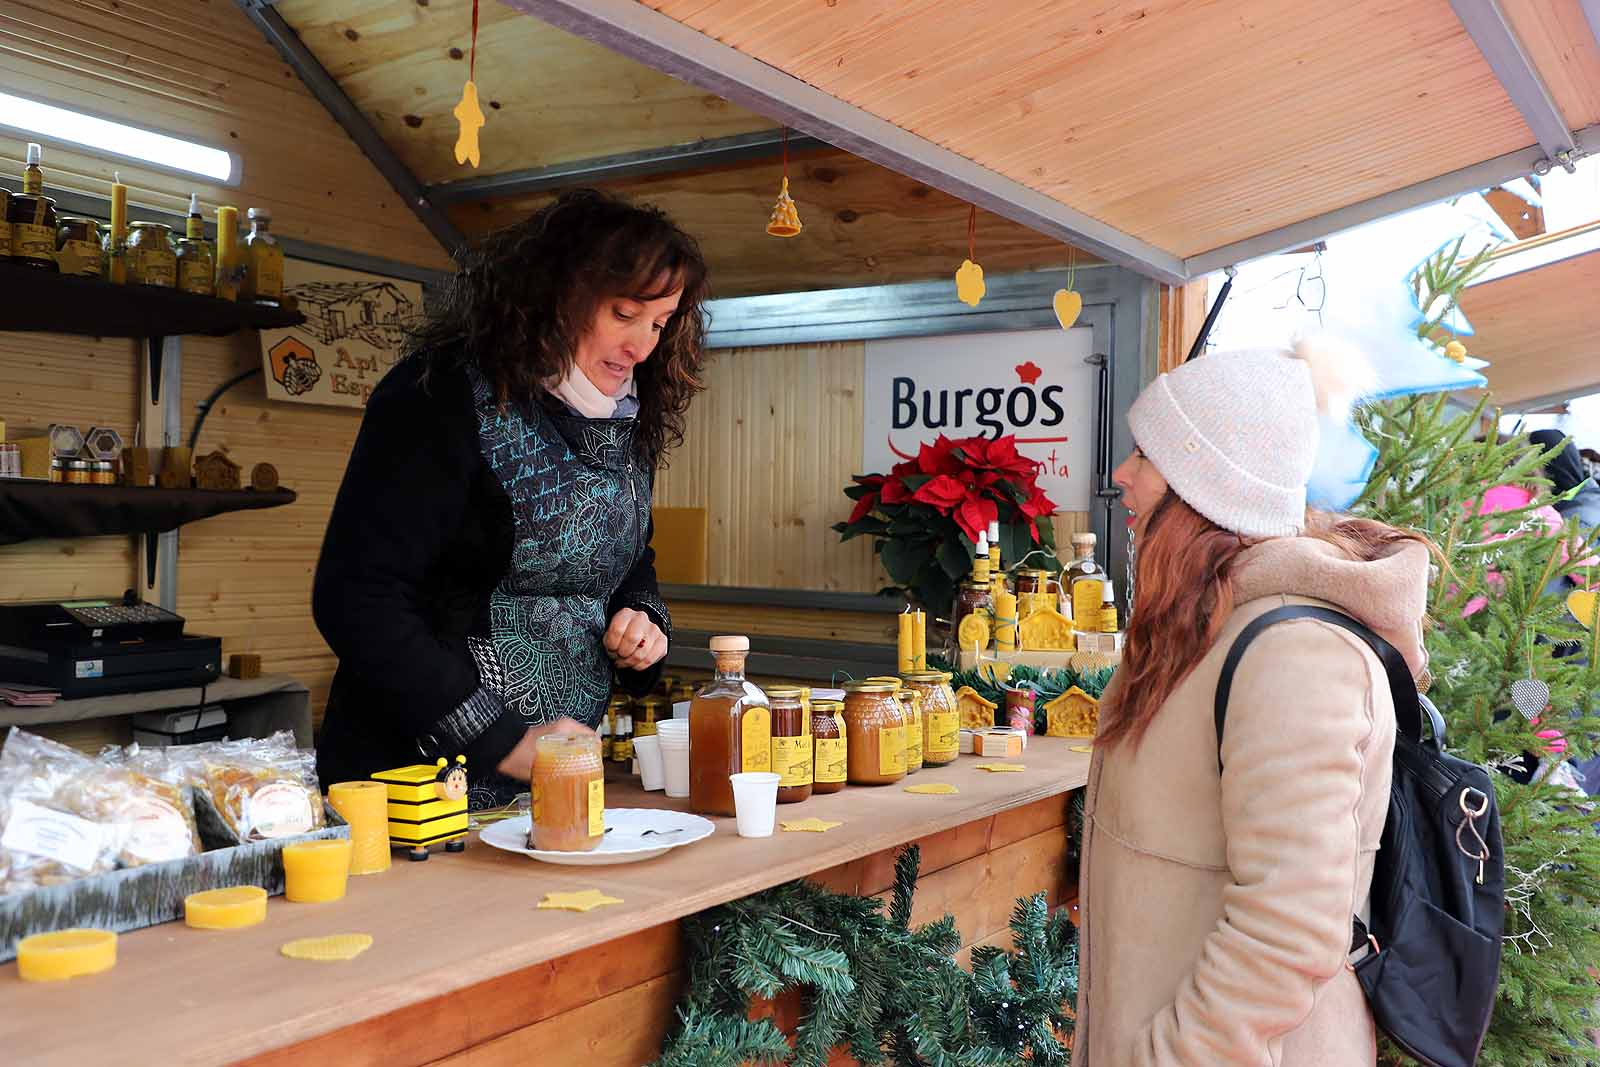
1217 902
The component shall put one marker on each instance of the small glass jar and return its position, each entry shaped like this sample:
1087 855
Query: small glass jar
58 470
617 705
830 761
151 258
875 734
970 597
791 743
33 231
941 721
569 793
102 472
78 472
78 246
647 711
622 731
911 712
197 266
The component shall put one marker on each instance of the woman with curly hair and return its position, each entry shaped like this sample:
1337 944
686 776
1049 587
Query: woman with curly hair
487 570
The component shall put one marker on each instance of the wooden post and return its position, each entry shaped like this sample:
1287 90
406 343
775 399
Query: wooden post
1182 311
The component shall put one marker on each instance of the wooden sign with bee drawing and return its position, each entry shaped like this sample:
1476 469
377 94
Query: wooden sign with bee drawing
354 332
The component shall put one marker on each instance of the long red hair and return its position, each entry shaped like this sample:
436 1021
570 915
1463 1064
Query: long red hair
1184 586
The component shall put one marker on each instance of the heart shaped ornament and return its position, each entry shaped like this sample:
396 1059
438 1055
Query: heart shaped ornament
1531 697
1068 305
1582 604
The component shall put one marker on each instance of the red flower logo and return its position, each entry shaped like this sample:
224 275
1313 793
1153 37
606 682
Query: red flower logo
1028 373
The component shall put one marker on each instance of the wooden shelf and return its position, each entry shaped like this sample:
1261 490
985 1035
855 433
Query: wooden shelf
32 509
44 301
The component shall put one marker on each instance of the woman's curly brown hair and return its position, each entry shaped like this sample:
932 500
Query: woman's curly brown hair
522 297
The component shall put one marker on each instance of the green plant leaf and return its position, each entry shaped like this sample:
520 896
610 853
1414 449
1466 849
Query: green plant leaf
903 559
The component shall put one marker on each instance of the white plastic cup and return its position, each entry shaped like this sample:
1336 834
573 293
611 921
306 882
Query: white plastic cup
680 710
673 728
755 802
648 751
675 766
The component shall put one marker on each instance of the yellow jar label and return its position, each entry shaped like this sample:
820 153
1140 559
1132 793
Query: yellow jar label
538 801
832 759
756 751
33 242
158 267
791 758
622 749
195 276
643 729
597 807
891 750
944 733
1086 597
80 257
914 743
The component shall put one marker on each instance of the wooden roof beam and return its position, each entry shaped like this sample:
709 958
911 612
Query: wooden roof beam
669 159
344 111
667 45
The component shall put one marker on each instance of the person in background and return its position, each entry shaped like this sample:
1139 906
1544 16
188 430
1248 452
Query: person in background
487 567
1567 472
1217 902
1591 461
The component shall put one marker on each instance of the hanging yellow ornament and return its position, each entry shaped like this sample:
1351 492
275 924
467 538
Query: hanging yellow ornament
469 116
1456 351
969 278
1068 304
785 220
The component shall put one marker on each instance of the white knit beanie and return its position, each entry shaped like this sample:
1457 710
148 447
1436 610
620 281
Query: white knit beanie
1235 434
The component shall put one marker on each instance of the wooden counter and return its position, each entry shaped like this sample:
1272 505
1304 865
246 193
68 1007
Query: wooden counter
464 969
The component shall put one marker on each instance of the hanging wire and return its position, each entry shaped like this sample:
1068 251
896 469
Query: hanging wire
972 233
785 152
472 62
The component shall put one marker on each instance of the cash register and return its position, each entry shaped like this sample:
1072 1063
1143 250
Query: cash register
88 648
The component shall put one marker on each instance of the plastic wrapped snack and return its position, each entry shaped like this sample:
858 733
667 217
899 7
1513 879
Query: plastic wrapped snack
266 792
58 814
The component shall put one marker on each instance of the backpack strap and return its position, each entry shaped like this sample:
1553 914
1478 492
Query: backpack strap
1408 707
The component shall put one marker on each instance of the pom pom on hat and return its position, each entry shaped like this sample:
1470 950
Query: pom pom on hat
1340 373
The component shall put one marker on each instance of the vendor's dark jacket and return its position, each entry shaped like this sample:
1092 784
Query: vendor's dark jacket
471 563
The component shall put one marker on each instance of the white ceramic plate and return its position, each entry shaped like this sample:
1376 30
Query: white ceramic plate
632 834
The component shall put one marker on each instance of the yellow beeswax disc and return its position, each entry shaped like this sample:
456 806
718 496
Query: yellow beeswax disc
933 789
64 954
1081 748
1000 767
816 826
332 947
587 900
225 909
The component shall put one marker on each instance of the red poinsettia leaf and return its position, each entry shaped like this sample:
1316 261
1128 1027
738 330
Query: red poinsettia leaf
974 516
942 492
863 507
1038 504
895 492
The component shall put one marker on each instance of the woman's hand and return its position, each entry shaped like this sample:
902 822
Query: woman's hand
518 763
634 642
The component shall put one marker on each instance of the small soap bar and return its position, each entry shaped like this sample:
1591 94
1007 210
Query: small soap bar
967 742
65 954
225 909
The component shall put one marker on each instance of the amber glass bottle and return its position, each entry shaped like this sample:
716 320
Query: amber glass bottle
730 730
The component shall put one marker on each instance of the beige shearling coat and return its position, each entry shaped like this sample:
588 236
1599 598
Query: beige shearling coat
1216 904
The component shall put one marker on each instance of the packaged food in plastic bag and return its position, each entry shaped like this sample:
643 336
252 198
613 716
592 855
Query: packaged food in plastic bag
58 814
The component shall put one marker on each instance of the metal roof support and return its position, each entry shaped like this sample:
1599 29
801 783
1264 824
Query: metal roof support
1489 28
716 152
663 43
1483 175
344 111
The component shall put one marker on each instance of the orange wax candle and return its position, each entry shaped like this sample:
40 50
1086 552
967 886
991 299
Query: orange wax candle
906 643
119 231
569 799
365 806
315 872
64 954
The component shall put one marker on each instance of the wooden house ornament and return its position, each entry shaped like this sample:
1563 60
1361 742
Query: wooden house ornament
216 471
976 712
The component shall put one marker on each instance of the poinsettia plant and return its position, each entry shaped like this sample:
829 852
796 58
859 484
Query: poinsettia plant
927 513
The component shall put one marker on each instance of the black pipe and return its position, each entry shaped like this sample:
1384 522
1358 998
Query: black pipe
1211 320
204 407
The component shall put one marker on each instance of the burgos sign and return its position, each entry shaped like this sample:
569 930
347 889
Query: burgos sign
1032 383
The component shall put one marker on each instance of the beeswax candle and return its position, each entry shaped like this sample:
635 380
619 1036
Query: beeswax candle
365 806
64 954
906 644
315 872
225 909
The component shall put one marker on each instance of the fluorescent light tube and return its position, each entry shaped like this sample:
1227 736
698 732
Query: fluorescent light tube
48 122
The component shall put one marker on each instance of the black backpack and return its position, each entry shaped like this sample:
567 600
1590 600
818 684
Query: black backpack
1438 884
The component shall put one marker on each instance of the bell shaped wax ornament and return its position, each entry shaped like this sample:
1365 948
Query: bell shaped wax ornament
785 220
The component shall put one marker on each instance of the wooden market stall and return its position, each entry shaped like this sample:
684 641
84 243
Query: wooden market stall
1141 145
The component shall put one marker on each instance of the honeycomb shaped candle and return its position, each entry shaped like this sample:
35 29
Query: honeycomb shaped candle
365 806
65 954
315 872
225 909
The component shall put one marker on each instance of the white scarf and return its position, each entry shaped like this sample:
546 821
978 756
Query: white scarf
581 395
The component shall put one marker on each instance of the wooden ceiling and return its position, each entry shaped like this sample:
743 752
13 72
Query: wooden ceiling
1537 329
1188 126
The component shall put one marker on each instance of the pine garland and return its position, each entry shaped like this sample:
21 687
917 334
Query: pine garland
1047 682
890 993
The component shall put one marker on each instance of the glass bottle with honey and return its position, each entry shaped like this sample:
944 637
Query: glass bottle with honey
730 730
1084 584
830 760
32 216
197 265
263 266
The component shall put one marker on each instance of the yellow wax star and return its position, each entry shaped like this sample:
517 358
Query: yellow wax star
1081 748
587 900
333 947
470 117
1000 767
969 283
816 826
933 789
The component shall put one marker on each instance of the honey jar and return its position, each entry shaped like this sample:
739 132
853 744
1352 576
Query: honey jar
151 258
830 762
647 712
569 793
730 730
78 246
911 712
791 743
941 721
875 734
